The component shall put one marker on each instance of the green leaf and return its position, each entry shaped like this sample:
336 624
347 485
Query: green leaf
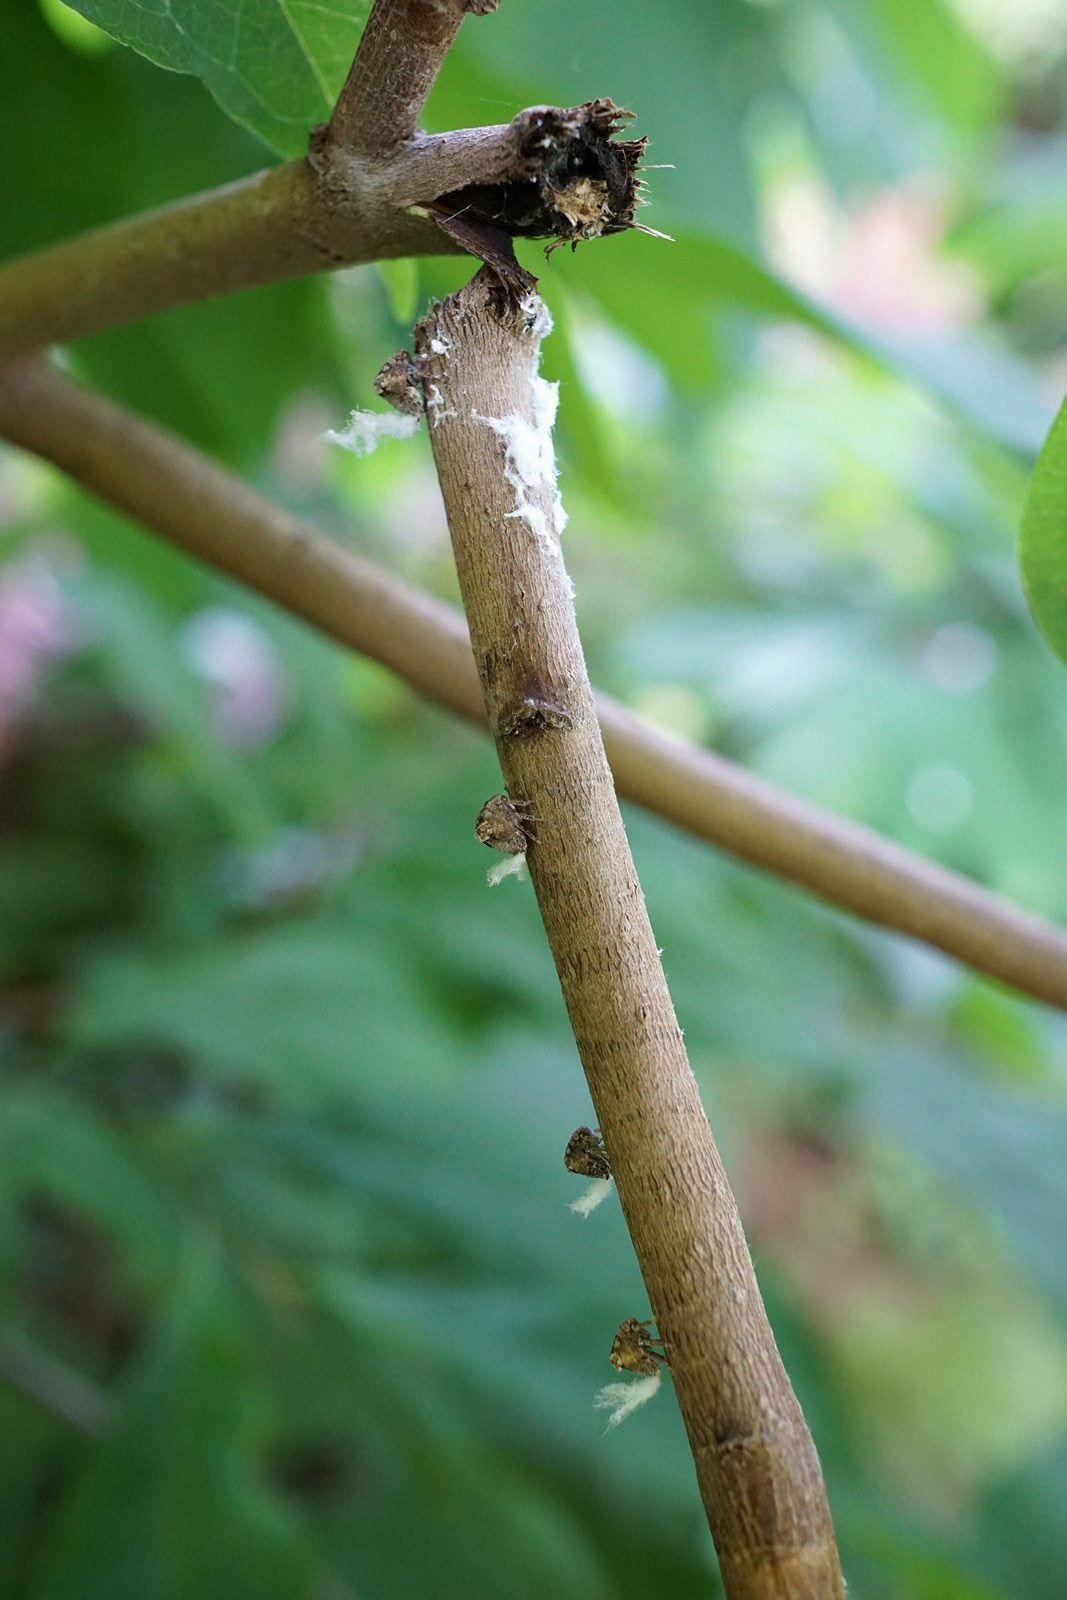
1043 546
301 1006
220 373
925 34
665 297
274 66
172 1506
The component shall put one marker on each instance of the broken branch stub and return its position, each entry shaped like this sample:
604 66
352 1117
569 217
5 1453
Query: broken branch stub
756 1465
569 177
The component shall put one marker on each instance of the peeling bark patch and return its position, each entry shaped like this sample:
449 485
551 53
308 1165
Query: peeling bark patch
529 454
530 462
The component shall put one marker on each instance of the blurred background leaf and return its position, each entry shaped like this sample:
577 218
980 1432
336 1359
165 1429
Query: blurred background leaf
1043 550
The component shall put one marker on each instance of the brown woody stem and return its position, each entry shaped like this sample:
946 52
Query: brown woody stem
173 489
284 223
756 1465
346 203
400 54
337 208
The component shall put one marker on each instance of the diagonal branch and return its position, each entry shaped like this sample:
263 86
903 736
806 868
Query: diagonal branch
326 211
756 1465
171 488
283 223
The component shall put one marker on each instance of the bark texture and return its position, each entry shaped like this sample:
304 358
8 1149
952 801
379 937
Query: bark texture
756 1465
399 56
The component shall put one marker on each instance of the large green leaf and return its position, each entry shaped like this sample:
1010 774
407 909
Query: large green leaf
273 65
1043 548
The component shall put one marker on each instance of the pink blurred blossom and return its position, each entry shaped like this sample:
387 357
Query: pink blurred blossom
36 628
879 264
238 660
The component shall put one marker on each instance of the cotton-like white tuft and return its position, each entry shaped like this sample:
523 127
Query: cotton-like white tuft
623 1398
529 456
595 1195
536 317
508 867
435 405
439 346
365 428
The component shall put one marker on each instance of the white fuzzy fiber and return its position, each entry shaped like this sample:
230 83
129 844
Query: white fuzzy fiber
623 1398
595 1195
365 428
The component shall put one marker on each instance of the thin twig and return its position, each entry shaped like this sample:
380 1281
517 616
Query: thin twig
171 488
400 54
756 1465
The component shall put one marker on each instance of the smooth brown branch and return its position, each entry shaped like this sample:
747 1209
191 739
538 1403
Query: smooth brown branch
196 505
335 208
284 223
400 54
756 1465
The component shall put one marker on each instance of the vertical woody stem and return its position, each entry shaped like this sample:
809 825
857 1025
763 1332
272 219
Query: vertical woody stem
757 1469
400 54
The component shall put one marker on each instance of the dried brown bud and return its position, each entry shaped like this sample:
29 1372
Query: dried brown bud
585 1154
504 824
633 1349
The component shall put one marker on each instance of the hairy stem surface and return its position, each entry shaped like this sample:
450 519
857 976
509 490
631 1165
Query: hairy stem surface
756 1465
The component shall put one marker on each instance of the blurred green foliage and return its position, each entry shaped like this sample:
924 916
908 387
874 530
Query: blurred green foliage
293 1304
1044 537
